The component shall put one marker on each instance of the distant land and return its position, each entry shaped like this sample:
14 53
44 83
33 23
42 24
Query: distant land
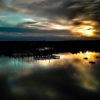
57 46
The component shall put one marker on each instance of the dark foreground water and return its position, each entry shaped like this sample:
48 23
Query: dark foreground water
72 76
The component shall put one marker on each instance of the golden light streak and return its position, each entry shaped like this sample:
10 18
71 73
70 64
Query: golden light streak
59 27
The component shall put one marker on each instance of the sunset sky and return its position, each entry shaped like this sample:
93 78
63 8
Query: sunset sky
49 19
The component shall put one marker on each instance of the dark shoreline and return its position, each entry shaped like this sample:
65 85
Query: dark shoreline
10 47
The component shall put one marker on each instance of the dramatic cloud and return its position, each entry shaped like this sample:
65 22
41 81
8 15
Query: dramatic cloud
76 16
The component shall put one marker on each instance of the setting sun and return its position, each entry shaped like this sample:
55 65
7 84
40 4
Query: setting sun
87 31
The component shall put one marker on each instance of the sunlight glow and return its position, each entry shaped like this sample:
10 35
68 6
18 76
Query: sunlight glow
87 31
59 27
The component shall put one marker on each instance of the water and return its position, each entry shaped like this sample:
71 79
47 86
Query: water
65 76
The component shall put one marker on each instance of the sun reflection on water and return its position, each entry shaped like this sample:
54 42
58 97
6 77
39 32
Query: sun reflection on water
87 57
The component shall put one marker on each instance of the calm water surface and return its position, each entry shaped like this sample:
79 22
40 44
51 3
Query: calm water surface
74 75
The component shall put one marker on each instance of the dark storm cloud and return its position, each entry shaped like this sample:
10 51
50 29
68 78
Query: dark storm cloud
65 8
53 9
96 11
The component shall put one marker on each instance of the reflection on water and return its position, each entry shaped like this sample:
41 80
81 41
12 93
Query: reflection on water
16 64
54 77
